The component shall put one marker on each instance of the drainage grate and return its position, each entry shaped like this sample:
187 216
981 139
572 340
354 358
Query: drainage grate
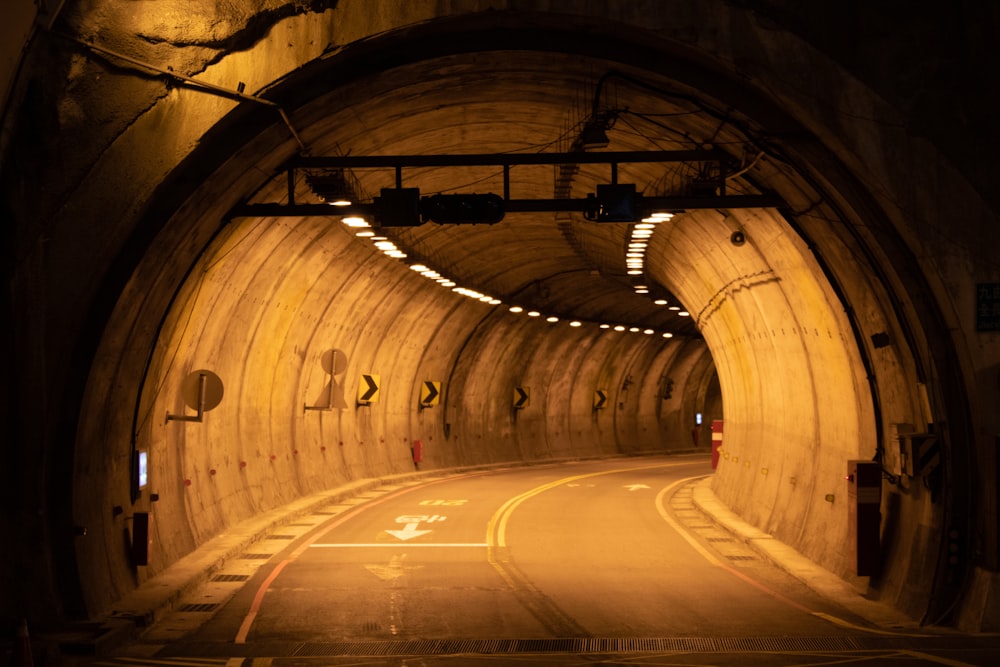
202 606
280 537
256 556
579 645
719 539
741 557
231 577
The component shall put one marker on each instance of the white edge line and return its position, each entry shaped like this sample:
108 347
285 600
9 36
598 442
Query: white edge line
400 545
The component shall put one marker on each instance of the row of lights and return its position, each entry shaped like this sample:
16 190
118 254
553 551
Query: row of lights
635 255
390 249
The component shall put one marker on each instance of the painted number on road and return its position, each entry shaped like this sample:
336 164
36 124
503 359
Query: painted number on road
421 518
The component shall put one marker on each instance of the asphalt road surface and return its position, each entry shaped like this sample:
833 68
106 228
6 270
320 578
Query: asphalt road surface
597 562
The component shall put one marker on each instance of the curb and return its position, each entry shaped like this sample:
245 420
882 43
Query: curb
818 579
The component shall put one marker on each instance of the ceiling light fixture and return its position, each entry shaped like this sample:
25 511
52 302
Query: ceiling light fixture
332 187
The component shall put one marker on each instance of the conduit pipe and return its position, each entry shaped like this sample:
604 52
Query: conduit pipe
204 86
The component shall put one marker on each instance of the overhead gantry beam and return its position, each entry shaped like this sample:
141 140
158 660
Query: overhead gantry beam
717 198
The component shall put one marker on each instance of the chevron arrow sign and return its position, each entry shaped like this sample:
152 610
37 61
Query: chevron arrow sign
600 399
430 393
521 397
368 389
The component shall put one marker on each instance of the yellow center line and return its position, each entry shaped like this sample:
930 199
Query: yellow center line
496 529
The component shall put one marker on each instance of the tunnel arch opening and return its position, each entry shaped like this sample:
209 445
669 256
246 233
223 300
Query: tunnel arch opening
171 278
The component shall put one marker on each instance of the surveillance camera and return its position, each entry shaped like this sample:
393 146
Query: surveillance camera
737 238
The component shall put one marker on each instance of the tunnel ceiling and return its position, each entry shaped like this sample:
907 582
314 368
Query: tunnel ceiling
526 102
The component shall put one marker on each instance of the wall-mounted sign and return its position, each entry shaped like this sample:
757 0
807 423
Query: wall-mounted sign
522 397
430 393
368 389
334 362
600 399
988 307
202 391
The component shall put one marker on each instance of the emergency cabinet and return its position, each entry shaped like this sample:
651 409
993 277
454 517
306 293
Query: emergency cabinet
864 521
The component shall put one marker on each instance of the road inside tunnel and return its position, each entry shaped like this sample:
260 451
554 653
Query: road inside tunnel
712 214
533 563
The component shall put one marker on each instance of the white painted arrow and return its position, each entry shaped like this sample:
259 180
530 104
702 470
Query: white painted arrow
633 487
409 532
392 571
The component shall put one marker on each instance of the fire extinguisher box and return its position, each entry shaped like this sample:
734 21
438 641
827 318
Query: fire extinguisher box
864 507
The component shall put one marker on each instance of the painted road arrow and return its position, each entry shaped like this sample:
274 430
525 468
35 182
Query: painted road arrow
408 532
633 487
393 570
368 389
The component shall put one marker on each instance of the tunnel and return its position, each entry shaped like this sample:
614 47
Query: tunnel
802 257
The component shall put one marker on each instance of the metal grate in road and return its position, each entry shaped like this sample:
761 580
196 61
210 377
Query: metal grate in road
199 606
578 645
231 577
256 556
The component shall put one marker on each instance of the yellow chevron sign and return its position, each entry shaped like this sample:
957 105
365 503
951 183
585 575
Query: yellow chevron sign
430 393
600 399
368 389
522 397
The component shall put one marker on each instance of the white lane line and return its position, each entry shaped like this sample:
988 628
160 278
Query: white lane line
399 545
661 508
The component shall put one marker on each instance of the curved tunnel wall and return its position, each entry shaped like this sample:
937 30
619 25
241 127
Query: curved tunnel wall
795 403
93 226
263 305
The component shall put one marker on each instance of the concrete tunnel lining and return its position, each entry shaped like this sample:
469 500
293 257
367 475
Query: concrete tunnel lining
259 414
744 315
